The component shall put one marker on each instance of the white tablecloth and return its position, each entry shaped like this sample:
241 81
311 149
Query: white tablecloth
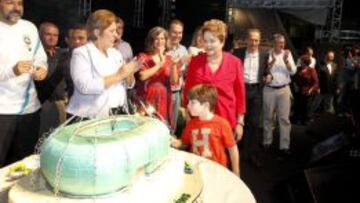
6 183
219 185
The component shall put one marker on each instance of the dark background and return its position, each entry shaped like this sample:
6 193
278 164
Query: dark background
192 12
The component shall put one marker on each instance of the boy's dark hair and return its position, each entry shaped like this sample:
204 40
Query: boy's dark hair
78 26
204 93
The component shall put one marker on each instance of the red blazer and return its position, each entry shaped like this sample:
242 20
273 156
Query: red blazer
307 80
228 81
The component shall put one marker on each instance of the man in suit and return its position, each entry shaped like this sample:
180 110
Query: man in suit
329 82
49 36
255 71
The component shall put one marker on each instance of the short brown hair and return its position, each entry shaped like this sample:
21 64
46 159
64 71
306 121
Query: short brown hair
176 22
217 27
76 27
150 38
253 30
46 24
204 93
100 19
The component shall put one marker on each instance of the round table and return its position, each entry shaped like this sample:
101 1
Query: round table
218 185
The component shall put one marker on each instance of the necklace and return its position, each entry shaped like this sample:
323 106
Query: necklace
214 62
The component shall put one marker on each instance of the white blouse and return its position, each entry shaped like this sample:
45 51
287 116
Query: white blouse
88 67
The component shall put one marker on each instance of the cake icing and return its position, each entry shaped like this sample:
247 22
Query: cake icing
102 156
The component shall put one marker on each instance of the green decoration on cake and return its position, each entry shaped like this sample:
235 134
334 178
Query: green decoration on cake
187 168
183 199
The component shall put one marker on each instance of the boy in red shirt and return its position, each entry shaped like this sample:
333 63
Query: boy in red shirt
206 134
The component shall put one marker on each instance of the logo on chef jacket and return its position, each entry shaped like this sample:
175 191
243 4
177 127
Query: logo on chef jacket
27 42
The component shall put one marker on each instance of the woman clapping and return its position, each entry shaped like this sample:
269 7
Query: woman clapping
98 71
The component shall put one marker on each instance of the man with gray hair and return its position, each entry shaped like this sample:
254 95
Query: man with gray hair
22 60
277 95
49 36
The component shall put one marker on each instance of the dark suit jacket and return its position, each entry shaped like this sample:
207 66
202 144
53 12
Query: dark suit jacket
263 58
328 82
48 89
253 117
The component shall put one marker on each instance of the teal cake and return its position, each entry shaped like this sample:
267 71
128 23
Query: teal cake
101 156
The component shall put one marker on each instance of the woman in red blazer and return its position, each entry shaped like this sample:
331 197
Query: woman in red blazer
222 70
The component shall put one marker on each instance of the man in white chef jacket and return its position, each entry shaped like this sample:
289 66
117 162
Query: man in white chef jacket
22 60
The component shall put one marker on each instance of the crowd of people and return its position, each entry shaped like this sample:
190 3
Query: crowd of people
227 99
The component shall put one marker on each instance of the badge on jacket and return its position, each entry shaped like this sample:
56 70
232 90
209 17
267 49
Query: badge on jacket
27 42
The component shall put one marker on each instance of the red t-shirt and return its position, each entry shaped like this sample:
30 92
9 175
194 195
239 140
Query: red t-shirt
209 138
228 81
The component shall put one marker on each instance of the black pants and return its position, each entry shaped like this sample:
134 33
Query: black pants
18 136
250 144
301 107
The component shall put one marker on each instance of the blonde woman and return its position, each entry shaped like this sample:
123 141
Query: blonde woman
98 71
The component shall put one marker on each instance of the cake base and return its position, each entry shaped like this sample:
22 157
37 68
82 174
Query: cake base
166 184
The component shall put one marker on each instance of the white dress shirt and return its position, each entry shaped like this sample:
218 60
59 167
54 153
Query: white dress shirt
279 71
329 67
251 68
126 51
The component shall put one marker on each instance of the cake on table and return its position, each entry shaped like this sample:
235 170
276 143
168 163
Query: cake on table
119 158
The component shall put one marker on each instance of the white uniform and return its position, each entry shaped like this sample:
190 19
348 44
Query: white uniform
19 42
19 104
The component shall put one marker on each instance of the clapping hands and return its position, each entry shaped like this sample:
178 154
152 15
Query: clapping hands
158 59
286 55
130 68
